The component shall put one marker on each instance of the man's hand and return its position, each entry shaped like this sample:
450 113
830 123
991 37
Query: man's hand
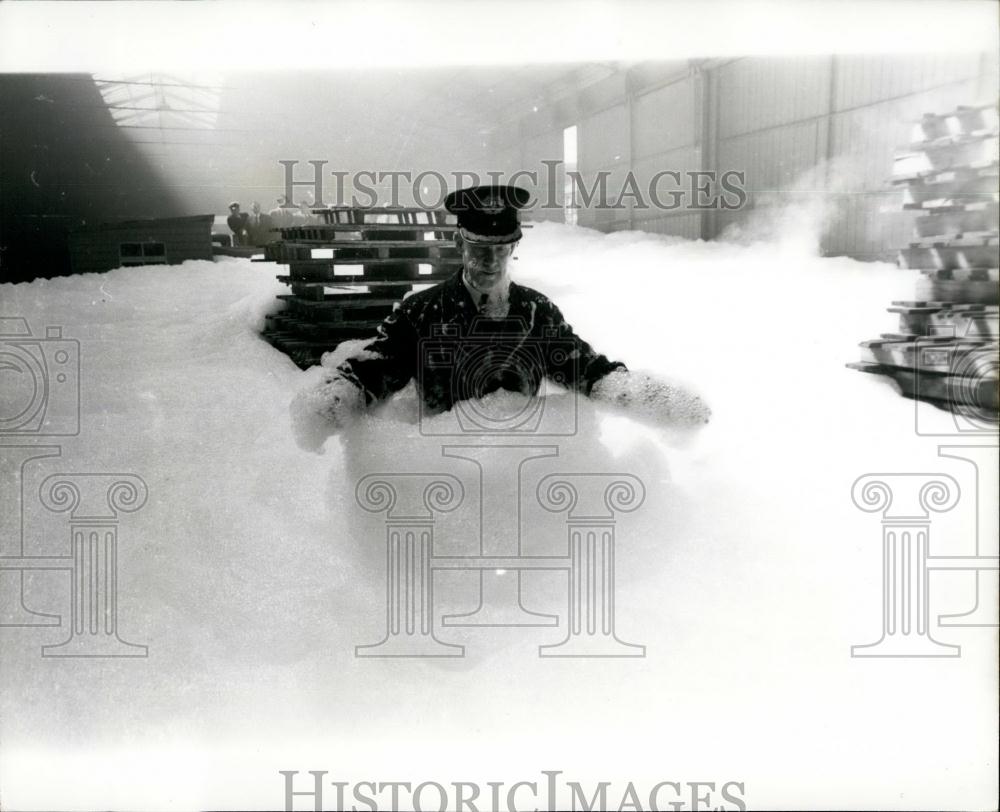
645 398
324 410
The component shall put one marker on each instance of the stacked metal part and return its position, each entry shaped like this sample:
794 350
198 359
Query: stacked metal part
946 349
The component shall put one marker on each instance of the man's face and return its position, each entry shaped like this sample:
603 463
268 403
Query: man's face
486 264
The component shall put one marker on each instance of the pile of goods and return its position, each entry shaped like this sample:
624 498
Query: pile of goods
946 349
347 273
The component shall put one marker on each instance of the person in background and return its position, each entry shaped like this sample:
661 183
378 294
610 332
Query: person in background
305 217
281 215
238 223
480 307
259 225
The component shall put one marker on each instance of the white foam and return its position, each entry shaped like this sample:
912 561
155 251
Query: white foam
252 574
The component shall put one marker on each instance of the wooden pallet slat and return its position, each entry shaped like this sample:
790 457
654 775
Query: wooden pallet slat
346 281
366 274
375 262
337 299
355 245
291 232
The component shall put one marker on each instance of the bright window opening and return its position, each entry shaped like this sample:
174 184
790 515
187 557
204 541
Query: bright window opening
569 184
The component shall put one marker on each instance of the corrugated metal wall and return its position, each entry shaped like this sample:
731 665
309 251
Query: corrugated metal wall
666 134
771 124
811 131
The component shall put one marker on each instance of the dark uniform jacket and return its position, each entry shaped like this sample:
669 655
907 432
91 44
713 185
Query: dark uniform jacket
438 338
238 223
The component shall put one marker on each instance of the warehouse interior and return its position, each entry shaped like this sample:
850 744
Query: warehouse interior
249 572
817 131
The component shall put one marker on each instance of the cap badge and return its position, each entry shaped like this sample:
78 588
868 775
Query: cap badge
492 205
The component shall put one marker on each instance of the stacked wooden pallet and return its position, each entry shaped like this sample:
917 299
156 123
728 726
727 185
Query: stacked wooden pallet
346 273
946 349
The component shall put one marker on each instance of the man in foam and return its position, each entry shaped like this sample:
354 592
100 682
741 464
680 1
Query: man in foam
480 307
